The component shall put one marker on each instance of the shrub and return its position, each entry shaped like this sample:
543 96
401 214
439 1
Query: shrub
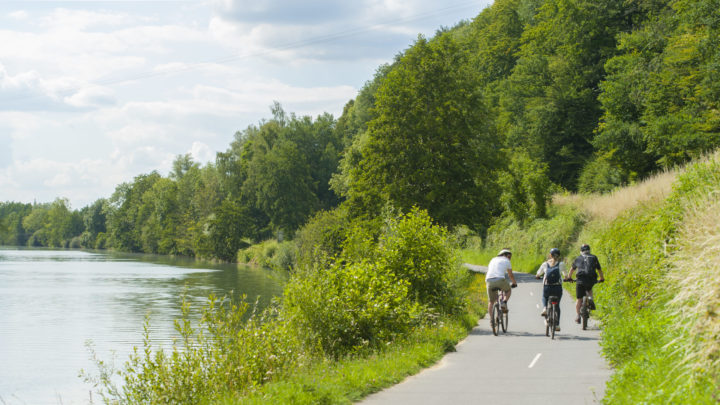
322 236
284 258
225 353
419 252
348 308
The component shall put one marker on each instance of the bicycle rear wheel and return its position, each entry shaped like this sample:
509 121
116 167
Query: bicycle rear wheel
584 313
552 320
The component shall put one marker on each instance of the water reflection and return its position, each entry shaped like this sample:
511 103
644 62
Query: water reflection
52 301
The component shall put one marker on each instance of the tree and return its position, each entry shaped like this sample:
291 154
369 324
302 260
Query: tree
431 142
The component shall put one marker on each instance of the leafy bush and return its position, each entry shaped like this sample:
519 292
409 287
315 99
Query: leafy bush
226 352
419 252
285 256
322 236
373 292
347 308
599 176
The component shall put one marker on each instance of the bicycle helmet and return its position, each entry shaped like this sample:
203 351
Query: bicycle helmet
585 248
554 252
505 252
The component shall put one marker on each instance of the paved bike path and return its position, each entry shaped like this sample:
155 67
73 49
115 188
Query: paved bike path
522 366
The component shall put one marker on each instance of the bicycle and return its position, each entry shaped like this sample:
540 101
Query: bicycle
585 307
551 317
498 318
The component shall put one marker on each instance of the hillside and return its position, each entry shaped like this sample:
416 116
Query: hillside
659 244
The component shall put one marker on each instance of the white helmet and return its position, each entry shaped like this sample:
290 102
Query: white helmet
504 251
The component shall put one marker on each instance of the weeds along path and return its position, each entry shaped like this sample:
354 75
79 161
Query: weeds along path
522 366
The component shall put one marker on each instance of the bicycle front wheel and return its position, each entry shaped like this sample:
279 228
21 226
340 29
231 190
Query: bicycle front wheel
504 321
493 318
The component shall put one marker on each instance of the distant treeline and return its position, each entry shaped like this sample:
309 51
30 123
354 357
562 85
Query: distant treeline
484 119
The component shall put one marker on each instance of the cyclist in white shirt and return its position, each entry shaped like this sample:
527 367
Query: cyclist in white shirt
498 267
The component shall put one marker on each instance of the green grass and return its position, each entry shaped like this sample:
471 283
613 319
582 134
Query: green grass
350 379
531 242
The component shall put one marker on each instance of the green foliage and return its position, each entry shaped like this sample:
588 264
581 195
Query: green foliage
530 242
419 252
350 307
526 188
642 337
372 291
225 352
322 236
430 142
350 379
599 176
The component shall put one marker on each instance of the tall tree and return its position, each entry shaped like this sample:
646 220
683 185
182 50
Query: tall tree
431 142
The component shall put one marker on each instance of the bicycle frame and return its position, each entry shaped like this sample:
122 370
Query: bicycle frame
551 317
498 319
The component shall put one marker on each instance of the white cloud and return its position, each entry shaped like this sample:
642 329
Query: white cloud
94 96
201 152
19 15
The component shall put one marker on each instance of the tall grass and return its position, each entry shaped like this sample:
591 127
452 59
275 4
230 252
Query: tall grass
530 243
659 306
609 206
696 274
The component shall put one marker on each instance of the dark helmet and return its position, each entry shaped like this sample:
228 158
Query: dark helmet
585 248
554 252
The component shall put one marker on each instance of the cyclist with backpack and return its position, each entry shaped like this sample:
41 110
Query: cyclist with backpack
588 268
553 273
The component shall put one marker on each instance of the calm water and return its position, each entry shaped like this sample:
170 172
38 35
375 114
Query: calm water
52 302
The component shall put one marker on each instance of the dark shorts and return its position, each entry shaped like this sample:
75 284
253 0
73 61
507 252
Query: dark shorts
582 287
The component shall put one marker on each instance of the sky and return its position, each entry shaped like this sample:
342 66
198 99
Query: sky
94 93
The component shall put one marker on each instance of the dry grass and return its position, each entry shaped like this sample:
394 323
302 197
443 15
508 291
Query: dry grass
609 206
697 275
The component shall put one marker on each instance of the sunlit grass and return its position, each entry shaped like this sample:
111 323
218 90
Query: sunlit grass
609 206
696 275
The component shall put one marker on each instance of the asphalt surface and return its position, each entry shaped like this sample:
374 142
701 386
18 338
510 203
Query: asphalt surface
522 366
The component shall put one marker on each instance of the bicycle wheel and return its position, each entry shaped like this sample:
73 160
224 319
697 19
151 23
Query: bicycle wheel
552 321
584 313
548 320
493 318
504 321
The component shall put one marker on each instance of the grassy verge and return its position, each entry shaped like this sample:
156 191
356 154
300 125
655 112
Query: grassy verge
352 378
659 307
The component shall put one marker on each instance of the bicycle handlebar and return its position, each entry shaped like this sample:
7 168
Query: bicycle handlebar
572 280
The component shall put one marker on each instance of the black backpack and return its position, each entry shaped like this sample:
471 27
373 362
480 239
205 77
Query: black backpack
552 274
587 266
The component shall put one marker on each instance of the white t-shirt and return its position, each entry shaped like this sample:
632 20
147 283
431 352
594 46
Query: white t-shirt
498 266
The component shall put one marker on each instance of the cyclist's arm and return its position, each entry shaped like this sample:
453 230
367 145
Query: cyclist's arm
600 273
563 270
541 271
512 277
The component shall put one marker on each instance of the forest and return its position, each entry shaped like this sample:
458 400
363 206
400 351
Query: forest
485 120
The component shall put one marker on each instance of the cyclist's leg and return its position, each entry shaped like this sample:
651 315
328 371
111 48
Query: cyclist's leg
579 293
492 295
557 291
505 286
